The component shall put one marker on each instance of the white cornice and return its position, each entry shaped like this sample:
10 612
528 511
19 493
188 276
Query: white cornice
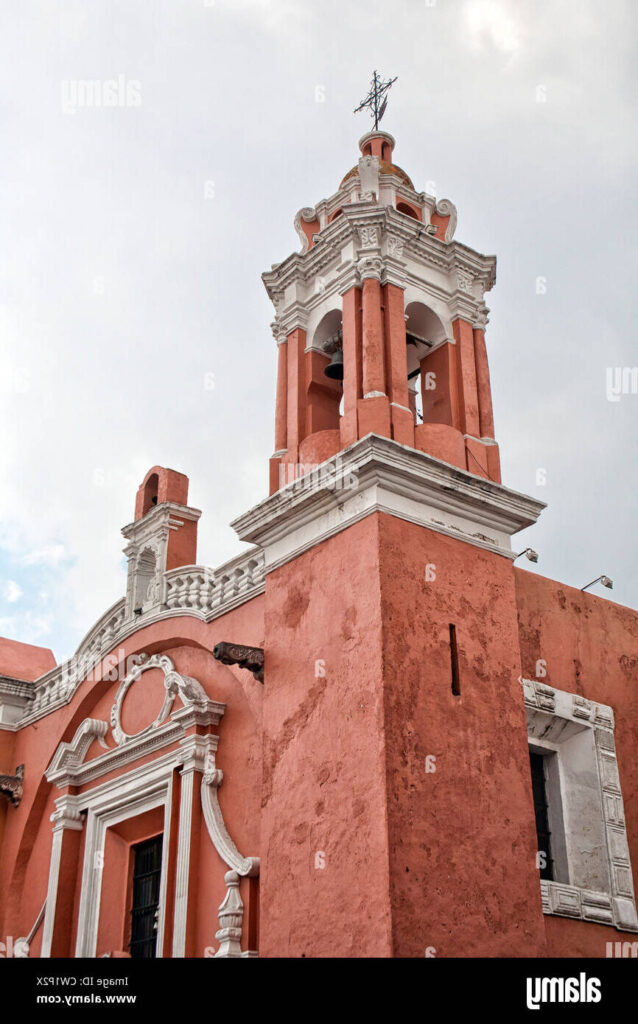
334 237
168 515
379 475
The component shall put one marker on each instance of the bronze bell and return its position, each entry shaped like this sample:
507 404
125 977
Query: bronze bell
334 369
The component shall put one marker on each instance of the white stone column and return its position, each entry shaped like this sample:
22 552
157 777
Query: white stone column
196 749
66 818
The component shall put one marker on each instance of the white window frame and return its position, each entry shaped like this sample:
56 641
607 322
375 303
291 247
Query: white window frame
554 717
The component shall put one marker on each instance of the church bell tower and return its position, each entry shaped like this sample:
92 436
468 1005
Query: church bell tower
380 324
395 761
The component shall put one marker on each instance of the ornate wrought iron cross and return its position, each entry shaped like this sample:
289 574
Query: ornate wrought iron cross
376 99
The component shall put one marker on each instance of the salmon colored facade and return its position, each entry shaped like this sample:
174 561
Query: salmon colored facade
370 734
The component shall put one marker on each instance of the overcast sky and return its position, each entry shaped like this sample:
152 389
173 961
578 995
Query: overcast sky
133 238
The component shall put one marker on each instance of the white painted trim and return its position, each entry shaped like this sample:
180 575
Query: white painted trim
66 816
196 753
125 797
78 774
182 873
555 716
220 838
379 475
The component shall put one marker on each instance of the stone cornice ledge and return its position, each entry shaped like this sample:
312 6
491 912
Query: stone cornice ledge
376 474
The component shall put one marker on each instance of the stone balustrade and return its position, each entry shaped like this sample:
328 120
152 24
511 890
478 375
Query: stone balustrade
191 590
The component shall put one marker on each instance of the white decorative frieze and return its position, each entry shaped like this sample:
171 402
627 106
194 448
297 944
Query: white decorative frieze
465 282
369 236
395 246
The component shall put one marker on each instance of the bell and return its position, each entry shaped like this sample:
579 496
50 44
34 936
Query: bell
334 369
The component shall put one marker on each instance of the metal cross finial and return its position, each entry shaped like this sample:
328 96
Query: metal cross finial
376 99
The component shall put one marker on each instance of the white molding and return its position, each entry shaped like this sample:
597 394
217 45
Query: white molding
151 534
379 475
145 786
555 717
66 816
196 751
189 690
66 769
15 697
122 798
220 838
70 756
193 590
406 252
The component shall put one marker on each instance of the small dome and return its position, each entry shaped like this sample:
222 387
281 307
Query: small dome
385 168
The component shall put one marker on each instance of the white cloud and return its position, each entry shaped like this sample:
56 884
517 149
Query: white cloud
491 23
50 555
12 591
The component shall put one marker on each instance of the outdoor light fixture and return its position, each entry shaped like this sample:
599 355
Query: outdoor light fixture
529 553
606 582
137 611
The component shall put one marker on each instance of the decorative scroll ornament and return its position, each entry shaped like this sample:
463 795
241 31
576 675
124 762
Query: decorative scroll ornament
11 786
212 779
189 690
251 658
231 911
21 946
446 208
307 214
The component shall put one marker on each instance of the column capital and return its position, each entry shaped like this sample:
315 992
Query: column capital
370 267
67 814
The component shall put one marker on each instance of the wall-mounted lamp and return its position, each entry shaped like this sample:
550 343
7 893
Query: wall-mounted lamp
606 582
529 553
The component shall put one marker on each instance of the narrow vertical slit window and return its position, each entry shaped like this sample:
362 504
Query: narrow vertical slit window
541 812
147 866
454 658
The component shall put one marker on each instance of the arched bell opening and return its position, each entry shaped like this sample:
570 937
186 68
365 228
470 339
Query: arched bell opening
424 332
151 489
409 211
325 375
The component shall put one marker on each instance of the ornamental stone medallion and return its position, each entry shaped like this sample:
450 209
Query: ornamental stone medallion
190 691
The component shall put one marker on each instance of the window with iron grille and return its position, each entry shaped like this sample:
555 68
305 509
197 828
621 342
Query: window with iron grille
147 865
541 812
